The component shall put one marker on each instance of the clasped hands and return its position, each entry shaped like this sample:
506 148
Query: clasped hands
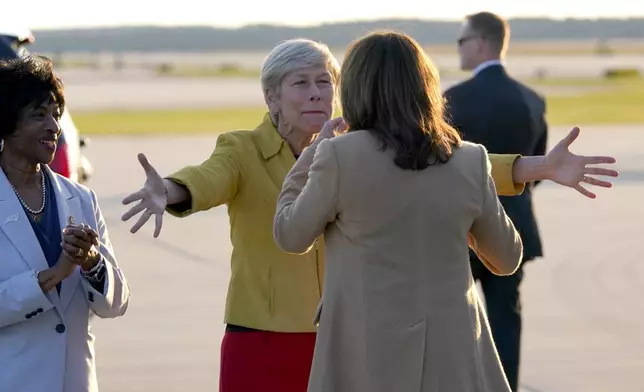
79 242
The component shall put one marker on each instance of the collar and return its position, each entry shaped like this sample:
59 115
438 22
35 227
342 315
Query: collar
486 64
269 140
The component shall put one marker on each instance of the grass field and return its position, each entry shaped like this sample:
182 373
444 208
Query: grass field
106 60
615 102
232 71
207 72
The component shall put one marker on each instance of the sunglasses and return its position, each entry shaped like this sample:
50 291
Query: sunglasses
463 40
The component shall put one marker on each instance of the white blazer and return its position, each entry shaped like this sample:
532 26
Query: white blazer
46 343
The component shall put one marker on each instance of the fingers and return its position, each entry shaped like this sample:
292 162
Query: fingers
142 220
597 182
158 223
598 160
72 255
93 235
341 128
133 211
598 171
343 125
143 160
78 233
567 141
83 232
73 260
585 191
71 252
134 197
333 124
75 242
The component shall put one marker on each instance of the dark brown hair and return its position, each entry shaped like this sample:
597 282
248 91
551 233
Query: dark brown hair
26 82
390 88
490 27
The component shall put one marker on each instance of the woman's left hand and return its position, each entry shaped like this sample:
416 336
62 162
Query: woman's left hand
80 242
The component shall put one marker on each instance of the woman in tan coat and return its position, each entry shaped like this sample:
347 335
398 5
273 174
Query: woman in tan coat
397 198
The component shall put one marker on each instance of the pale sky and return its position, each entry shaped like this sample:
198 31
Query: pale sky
37 14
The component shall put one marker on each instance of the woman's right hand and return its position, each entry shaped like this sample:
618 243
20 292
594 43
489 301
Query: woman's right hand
332 127
49 278
153 199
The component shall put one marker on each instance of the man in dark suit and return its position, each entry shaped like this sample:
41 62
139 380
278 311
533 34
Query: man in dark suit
507 117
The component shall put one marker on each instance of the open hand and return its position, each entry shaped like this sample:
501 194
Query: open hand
153 199
572 170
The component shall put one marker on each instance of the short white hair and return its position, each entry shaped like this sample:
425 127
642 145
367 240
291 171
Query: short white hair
295 54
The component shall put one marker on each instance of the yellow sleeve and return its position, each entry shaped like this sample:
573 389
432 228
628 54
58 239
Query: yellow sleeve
502 165
493 235
212 183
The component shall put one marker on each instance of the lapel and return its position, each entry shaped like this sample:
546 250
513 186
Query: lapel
277 155
15 224
17 228
68 205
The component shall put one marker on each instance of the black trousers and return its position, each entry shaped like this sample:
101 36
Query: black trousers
503 305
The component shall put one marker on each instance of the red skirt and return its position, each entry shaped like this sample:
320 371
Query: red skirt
261 361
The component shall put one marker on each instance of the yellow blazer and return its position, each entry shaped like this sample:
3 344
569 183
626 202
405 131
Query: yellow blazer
269 289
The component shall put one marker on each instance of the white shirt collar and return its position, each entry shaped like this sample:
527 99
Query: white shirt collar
486 64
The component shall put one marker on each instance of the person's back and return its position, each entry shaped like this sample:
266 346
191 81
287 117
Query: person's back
508 121
499 112
505 116
398 198
398 274
399 217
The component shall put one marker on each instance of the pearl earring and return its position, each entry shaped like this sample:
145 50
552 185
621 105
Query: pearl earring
1 145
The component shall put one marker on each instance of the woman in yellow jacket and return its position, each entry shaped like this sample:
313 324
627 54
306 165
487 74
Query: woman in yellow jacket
272 296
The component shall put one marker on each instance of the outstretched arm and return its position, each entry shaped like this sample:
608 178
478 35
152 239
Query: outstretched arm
565 168
512 172
191 189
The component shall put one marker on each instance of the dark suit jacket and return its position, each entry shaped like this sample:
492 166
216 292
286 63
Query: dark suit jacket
506 117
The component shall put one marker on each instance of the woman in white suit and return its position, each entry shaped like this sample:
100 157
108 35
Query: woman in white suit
57 267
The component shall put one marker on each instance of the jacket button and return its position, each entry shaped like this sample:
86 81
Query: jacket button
60 328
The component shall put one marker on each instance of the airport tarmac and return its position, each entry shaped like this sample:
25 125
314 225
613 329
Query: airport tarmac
143 91
139 87
583 313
